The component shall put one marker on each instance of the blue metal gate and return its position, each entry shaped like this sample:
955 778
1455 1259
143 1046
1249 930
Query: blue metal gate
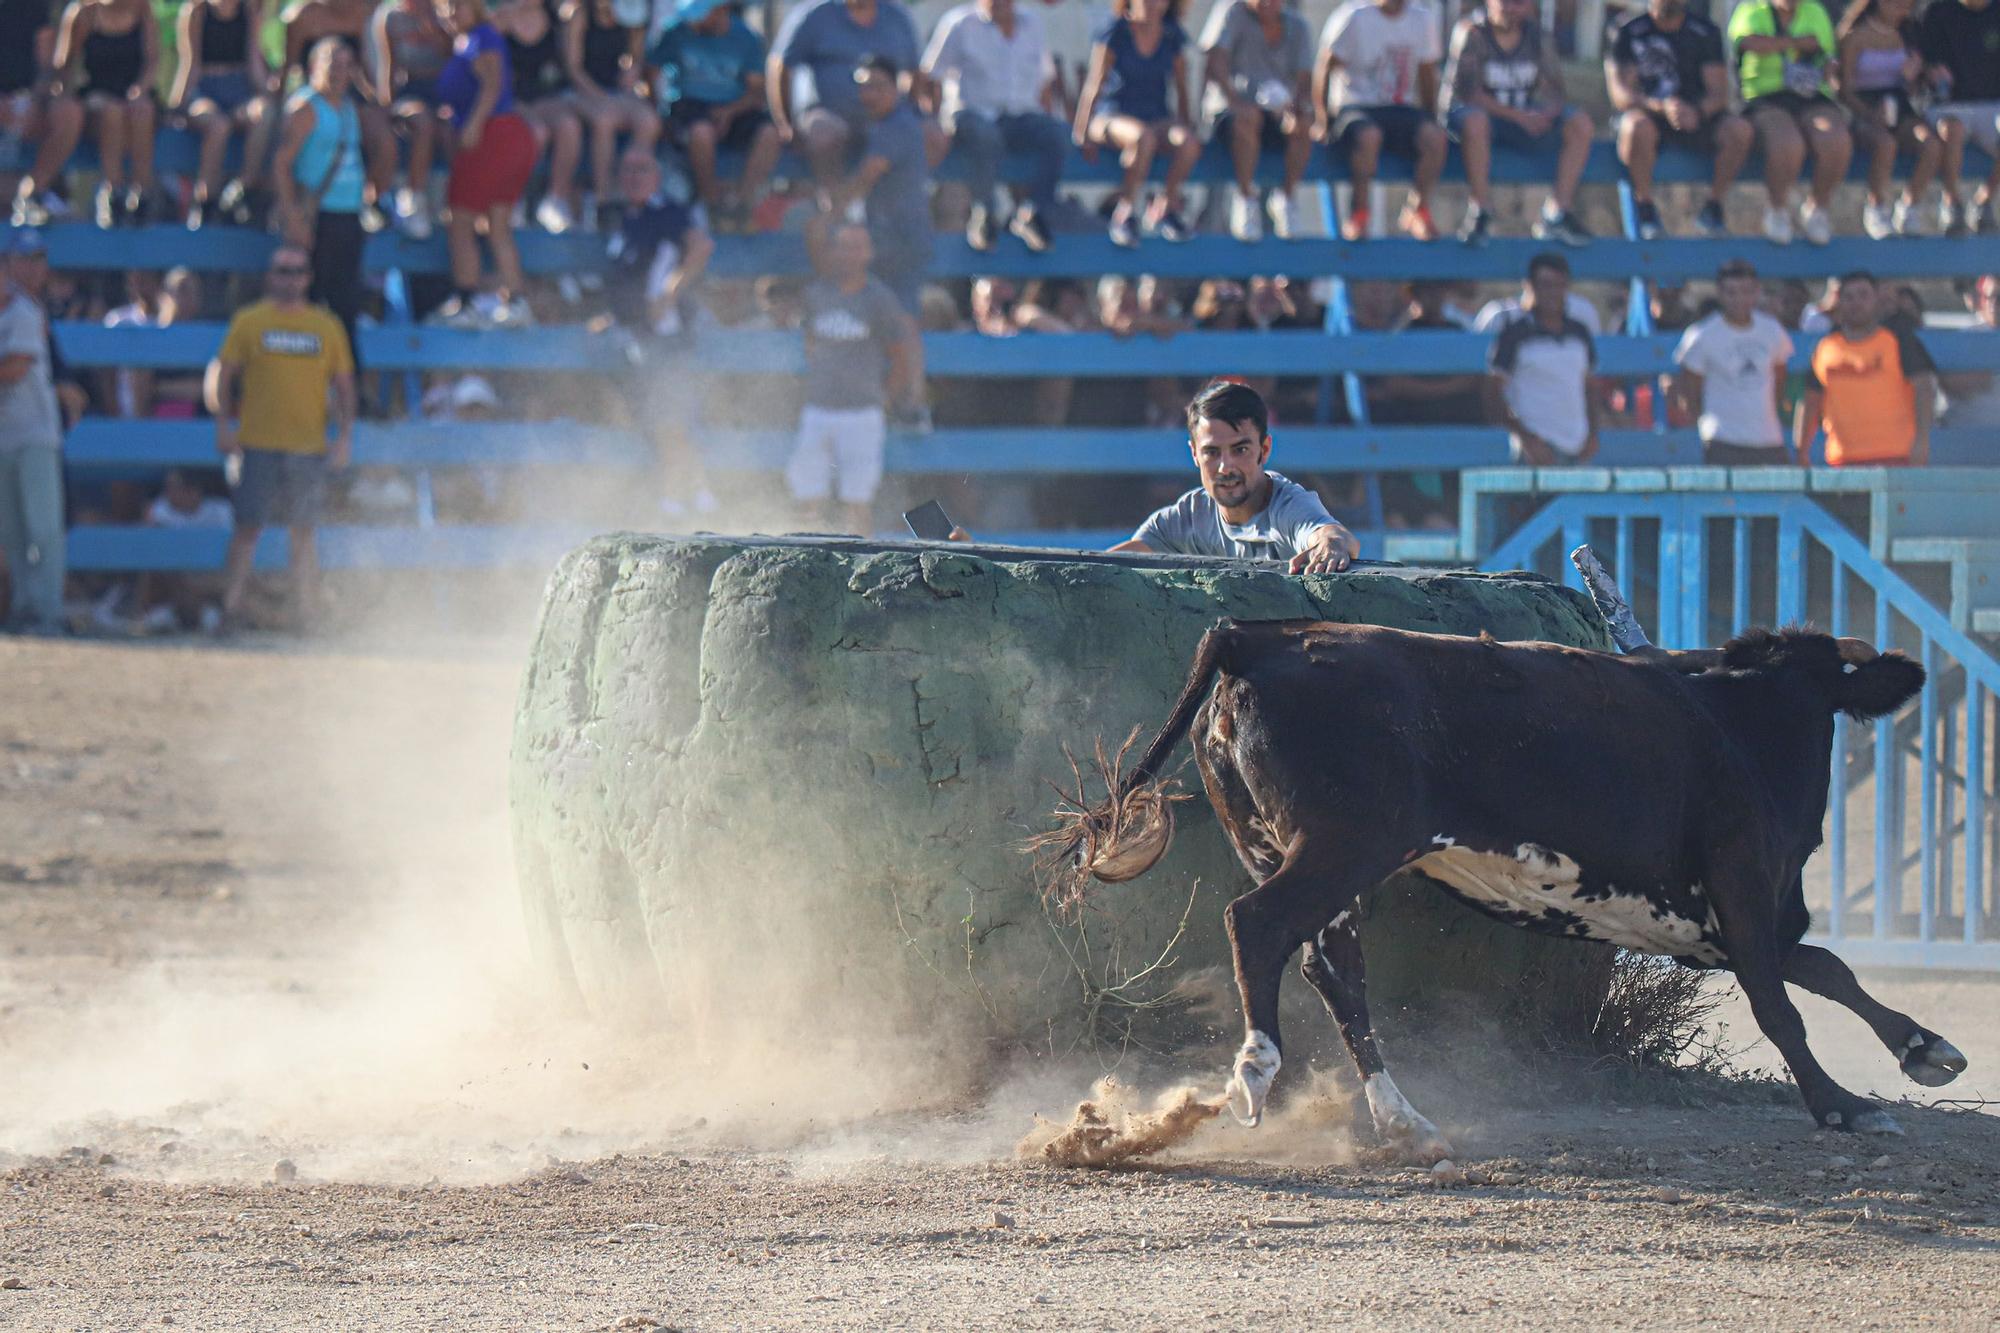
1699 566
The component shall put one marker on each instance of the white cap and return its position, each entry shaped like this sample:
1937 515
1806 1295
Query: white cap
474 391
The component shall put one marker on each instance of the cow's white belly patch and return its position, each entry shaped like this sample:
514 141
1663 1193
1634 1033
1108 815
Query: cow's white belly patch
1536 882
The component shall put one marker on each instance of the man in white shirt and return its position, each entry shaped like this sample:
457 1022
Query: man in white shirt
1542 364
992 59
1732 373
1376 87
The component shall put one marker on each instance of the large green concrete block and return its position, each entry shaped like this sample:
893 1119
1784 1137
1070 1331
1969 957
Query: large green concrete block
795 776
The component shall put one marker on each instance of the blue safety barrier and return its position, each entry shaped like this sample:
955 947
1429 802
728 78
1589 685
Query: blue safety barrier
1788 560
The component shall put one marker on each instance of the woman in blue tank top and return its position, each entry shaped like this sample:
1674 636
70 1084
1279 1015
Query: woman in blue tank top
1135 99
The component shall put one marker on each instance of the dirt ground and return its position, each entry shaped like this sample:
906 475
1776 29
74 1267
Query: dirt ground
273 1059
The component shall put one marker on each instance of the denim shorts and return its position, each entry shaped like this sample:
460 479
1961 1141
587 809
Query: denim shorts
1508 133
229 91
279 488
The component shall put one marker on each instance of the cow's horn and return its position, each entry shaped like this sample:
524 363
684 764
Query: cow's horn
1856 651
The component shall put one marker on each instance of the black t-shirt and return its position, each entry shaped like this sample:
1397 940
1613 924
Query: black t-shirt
1966 42
1668 64
20 20
644 249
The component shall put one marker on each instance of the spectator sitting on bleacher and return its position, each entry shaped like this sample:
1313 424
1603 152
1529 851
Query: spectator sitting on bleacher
606 61
31 479
1135 99
1376 87
862 350
992 61
221 86
1784 53
411 48
828 39
1240 509
131 392
541 95
657 256
1874 389
1732 370
1878 77
1259 78
891 182
1542 364
307 22
489 171
317 176
107 52
1972 397
1668 81
35 111
1960 41
708 76
1454 400
182 600
1000 311
1503 84
282 362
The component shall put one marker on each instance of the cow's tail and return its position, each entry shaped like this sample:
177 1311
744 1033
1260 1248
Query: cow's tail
1124 835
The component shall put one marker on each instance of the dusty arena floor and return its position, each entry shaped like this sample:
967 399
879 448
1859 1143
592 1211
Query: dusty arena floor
272 1059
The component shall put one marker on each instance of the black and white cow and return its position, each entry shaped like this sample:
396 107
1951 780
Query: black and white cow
1664 803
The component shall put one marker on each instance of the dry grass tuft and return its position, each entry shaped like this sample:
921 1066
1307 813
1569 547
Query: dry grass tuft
1105 1131
1113 839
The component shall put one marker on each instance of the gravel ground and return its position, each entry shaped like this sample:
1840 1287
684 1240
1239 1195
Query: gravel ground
273 1063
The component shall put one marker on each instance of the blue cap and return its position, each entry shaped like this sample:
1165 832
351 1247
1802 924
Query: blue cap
26 241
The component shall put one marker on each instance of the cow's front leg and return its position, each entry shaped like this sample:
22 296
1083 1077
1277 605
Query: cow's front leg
1333 965
1925 1056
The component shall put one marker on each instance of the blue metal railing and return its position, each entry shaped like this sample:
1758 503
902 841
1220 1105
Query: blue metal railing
1666 546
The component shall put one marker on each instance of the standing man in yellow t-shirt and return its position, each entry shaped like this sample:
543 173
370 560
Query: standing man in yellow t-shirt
269 389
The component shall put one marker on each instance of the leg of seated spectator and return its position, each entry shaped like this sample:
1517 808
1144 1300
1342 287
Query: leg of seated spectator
1639 150
1951 166
1246 145
701 162
1186 146
1475 149
61 127
1832 150
641 122
422 126
110 129
1784 153
378 150
1298 150
142 117
759 165
1929 152
1990 141
1879 144
212 124
506 255
980 144
1573 157
1733 141
1364 153
605 117
305 572
1044 140
236 567
565 133
259 119
462 240
1136 142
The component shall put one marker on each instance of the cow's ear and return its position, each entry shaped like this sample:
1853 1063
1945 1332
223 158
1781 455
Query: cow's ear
1878 687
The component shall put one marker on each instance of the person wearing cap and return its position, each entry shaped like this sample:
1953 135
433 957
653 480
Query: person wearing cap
31 492
891 182
281 363
28 267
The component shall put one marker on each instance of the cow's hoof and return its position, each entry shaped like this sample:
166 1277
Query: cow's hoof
1256 1067
1399 1123
1933 1062
1862 1120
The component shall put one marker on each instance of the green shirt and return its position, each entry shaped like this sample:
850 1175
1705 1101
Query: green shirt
1762 73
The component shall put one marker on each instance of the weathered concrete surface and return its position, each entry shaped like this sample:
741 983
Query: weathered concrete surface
795 777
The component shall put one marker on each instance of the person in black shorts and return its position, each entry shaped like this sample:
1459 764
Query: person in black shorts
708 75
34 113
106 53
1670 84
541 95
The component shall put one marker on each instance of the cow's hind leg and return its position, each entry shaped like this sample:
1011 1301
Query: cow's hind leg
1266 927
1332 963
1749 936
1926 1057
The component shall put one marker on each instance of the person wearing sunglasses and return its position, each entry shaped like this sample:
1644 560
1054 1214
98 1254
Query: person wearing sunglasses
282 363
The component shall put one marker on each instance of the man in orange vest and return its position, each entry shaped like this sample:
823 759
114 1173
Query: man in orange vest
1873 388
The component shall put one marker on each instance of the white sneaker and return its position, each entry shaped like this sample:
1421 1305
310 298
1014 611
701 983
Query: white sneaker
1279 206
413 214
1908 218
160 620
552 215
1880 222
1244 223
1816 223
513 314
1778 226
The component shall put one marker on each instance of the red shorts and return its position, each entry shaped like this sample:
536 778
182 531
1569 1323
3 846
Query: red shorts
495 174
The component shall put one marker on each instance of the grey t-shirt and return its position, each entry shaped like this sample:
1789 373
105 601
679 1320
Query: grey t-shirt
824 38
1234 29
28 413
1193 525
900 200
847 344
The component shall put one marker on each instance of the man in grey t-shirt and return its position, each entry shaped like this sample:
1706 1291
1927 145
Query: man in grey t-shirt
1240 509
31 512
1259 76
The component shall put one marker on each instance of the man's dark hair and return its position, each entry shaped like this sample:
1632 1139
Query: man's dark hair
877 64
1223 400
1547 260
1858 275
1736 268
